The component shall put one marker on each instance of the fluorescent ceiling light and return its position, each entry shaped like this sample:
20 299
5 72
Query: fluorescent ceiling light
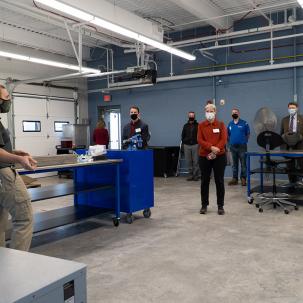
100 74
47 62
67 9
105 90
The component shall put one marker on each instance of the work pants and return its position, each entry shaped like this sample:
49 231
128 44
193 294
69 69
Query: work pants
238 152
15 200
191 153
206 166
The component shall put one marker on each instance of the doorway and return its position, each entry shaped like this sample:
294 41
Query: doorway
112 118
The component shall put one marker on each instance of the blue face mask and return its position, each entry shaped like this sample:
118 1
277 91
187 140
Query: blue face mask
292 111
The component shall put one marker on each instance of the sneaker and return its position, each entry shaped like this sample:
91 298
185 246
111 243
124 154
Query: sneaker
243 181
221 211
203 210
190 179
233 182
196 178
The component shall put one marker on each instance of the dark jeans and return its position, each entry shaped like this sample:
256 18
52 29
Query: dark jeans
206 166
238 154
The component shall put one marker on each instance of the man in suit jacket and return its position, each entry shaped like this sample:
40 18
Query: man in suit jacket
293 123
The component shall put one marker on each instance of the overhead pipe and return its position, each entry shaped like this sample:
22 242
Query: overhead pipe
295 3
232 72
216 38
250 42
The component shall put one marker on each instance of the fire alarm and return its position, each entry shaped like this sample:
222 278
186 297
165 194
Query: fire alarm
222 102
107 98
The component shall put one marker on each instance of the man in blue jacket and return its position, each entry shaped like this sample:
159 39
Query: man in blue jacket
238 133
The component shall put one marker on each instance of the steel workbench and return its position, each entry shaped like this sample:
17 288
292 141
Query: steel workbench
88 179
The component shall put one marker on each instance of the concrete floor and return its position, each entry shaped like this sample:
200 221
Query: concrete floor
179 255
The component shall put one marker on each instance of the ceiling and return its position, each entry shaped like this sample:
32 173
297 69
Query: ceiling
174 17
24 24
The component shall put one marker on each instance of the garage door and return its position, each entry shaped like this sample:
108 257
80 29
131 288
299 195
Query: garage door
38 122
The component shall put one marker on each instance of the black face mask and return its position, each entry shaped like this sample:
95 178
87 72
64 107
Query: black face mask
191 119
134 116
5 105
235 116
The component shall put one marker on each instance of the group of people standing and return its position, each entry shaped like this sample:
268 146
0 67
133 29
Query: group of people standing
205 146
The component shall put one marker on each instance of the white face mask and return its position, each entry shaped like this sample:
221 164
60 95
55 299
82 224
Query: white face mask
210 116
292 111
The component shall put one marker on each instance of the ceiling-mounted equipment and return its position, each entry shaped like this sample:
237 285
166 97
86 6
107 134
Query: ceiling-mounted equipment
48 62
118 29
142 72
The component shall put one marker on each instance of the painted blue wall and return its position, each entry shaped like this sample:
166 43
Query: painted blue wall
164 107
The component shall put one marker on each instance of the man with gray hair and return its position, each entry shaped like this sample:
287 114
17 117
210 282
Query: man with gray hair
14 198
191 147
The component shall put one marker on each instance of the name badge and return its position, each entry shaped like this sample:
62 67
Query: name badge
138 130
216 130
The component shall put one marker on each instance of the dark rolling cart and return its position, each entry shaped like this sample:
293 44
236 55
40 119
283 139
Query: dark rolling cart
165 160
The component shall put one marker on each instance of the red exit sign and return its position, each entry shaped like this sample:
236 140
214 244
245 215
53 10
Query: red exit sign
107 98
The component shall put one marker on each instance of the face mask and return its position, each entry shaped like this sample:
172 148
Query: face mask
210 116
292 111
235 116
5 105
191 119
134 116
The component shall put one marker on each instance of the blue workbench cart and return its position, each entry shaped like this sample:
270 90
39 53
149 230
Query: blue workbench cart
136 183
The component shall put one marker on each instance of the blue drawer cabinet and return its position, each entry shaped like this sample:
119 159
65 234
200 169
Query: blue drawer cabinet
136 183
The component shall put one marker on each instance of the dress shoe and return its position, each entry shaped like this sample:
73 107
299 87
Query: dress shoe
196 178
190 179
203 210
221 211
243 181
233 182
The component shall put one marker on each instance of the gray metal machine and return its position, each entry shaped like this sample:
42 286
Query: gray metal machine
78 133
32 278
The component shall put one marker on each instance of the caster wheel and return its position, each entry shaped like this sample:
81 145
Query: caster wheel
296 208
250 200
147 213
260 210
286 212
257 205
129 218
116 221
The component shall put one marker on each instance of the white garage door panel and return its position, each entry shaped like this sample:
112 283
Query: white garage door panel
32 145
31 107
59 108
19 126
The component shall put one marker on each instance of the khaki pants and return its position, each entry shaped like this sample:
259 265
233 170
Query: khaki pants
15 200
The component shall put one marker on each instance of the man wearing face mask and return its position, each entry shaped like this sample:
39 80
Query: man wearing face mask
293 123
135 126
238 134
191 147
14 198
212 138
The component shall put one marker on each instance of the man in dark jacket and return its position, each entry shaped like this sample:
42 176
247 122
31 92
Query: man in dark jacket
191 148
135 126
290 125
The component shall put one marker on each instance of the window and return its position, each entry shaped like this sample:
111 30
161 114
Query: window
59 125
31 126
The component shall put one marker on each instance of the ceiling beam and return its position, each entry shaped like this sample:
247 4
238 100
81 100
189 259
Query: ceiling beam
204 9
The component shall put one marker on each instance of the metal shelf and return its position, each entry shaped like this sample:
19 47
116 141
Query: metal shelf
60 190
